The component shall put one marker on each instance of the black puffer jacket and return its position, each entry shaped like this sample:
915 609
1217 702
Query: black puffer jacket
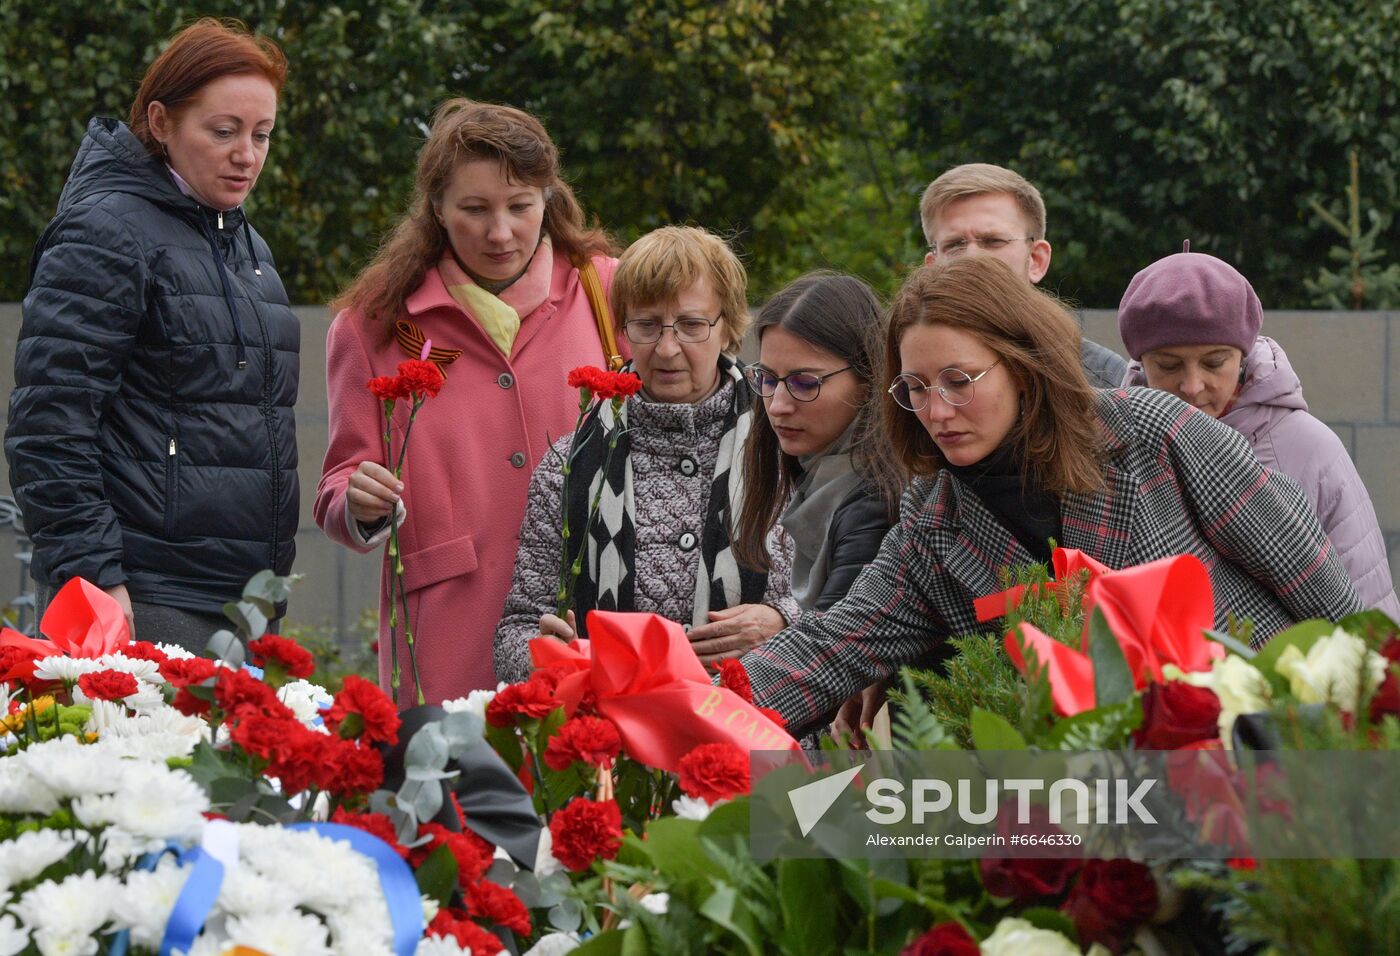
151 437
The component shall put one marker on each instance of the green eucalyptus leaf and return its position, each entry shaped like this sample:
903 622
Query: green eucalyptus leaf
437 875
993 732
1113 681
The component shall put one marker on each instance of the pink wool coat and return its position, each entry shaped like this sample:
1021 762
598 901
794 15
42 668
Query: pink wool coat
471 454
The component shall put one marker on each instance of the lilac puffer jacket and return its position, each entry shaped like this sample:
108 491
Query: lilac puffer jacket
1271 414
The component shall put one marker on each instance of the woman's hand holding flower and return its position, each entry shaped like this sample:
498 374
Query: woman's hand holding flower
735 630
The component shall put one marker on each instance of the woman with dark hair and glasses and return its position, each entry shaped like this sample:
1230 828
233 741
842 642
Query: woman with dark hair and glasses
990 409
813 461
660 538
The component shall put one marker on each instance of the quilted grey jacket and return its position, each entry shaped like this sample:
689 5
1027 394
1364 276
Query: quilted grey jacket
674 451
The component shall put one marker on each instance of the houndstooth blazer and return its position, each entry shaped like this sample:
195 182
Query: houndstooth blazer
1176 482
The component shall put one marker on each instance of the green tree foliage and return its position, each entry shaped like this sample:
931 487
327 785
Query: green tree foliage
364 77
666 110
1148 121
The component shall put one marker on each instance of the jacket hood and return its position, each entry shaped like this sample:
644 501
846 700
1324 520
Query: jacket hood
112 159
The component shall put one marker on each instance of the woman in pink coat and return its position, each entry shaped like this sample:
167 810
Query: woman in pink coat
1191 323
485 269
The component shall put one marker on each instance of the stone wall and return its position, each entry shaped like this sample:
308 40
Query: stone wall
1347 361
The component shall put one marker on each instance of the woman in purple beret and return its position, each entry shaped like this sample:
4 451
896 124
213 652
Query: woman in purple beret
1191 323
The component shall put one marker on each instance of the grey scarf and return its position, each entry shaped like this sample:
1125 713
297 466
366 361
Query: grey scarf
827 478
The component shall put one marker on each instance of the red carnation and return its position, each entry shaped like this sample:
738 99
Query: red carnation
420 378
945 939
184 671
715 772
239 693
293 658
388 388
498 905
1110 901
473 854
1175 714
108 685
375 824
190 705
261 736
303 759
458 925
735 676
17 664
588 740
379 716
145 651
534 698
358 769
585 831
603 384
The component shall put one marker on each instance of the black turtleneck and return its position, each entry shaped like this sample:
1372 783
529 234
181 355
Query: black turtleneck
1014 498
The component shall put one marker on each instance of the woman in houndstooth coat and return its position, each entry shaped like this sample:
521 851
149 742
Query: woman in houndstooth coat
989 406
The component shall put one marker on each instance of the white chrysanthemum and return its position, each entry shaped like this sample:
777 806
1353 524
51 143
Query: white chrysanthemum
27 855
174 651
430 909
304 699
545 862
71 769
21 793
473 703
551 944
158 736
245 892
300 860
78 905
358 934
210 942
13 937
65 669
656 903
280 934
121 850
138 667
157 803
148 699
58 942
106 714
1332 670
691 808
441 946
145 902
1019 937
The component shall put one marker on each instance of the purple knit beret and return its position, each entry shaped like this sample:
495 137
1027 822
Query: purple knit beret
1188 299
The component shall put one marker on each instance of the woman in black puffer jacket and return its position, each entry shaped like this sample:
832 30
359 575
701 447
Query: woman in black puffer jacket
151 437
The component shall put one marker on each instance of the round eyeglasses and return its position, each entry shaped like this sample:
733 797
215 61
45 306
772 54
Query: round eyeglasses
955 385
647 331
802 386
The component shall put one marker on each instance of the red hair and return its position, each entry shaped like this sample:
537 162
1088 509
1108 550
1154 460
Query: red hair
199 54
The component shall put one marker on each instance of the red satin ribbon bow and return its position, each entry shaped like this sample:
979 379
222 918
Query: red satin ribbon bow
82 620
649 683
1158 611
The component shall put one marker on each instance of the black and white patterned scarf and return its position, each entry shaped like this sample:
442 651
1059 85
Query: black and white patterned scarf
606 580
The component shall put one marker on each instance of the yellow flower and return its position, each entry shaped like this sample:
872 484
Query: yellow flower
15 722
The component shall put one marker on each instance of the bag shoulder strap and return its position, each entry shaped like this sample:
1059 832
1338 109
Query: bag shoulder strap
598 302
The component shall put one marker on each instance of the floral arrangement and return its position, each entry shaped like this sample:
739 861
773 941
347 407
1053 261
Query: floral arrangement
596 387
417 381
